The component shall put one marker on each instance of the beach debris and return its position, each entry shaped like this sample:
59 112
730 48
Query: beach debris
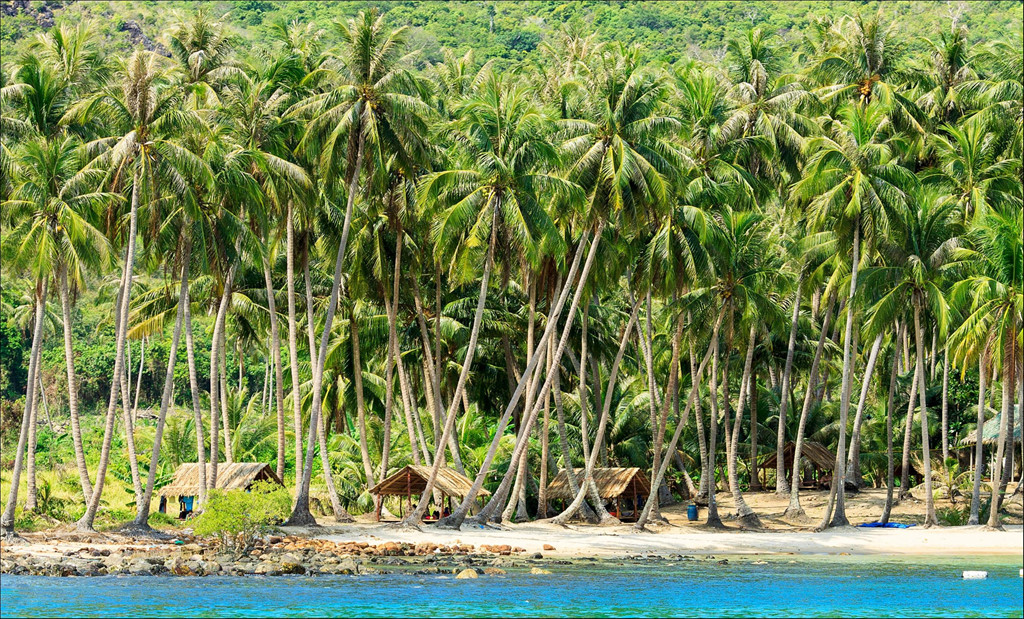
975 574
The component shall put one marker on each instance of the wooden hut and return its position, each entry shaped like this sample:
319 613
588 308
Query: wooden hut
615 485
817 468
990 431
411 481
234 476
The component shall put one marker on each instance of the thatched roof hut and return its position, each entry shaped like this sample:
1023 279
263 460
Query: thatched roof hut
990 431
815 453
819 459
611 483
411 480
234 476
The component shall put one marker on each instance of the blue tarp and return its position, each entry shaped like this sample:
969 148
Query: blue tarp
885 525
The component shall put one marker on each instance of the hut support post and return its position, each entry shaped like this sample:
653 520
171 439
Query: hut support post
380 506
636 504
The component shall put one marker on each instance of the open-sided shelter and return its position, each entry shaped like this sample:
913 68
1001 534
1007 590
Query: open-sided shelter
411 481
614 484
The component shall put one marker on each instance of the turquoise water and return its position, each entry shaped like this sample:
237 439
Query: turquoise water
826 586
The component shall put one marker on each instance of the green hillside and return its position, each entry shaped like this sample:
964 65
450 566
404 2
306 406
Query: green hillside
668 31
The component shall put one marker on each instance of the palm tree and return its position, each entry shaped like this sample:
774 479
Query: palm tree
991 296
494 200
852 179
143 113
370 110
54 207
921 243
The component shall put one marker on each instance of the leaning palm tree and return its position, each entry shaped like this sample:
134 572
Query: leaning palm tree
852 181
54 208
493 199
991 295
143 113
370 109
920 244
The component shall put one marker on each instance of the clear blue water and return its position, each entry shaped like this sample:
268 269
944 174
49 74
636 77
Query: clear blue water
824 586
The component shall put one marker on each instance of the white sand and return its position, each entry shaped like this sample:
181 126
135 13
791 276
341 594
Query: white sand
621 541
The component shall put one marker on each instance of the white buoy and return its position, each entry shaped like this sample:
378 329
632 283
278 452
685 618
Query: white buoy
975 574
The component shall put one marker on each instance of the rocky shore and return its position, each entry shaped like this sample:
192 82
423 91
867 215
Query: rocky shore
274 556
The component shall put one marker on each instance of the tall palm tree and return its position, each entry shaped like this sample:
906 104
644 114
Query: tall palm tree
370 109
991 295
852 181
53 209
143 112
494 199
921 242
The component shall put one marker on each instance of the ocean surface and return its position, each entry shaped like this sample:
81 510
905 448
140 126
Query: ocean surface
758 586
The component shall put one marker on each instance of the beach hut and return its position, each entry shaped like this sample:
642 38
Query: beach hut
990 431
615 485
411 481
818 463
234 476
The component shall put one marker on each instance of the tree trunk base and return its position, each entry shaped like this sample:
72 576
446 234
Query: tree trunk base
839 520
794 513
750 521
344 517
301 517
609 521
715 523
406 526
449 522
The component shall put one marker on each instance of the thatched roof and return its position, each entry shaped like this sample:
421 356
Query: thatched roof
815 453
990 431
235 476
412 480
611 482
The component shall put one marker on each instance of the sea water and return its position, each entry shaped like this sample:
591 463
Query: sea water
701 586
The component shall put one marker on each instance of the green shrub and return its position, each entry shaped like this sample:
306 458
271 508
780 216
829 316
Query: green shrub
160 518
237 518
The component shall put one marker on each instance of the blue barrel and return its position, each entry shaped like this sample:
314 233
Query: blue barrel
691 512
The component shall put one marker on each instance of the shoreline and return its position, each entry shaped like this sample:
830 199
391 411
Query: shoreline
361 548
582 542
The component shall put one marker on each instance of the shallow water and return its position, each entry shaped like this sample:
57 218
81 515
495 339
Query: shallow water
816 586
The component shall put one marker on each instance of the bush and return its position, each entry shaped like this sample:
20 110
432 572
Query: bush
160 518
237 518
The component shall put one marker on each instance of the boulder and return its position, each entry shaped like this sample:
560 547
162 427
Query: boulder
467 573
291 564
539 570
267 569
494 571
140 567
548 547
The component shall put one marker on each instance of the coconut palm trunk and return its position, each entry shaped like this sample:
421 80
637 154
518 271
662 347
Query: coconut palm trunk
890 404
391 308
744 514
293 343
602 424
552 322
853 461
340 513
85 523
794 510
849 352
31 492
300 513
73 406
142 509
216 398
908 432
681 422
138 380
1005 440
455 519
945 405
416 515
193 383
7 519
930 518
357 379
278 378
